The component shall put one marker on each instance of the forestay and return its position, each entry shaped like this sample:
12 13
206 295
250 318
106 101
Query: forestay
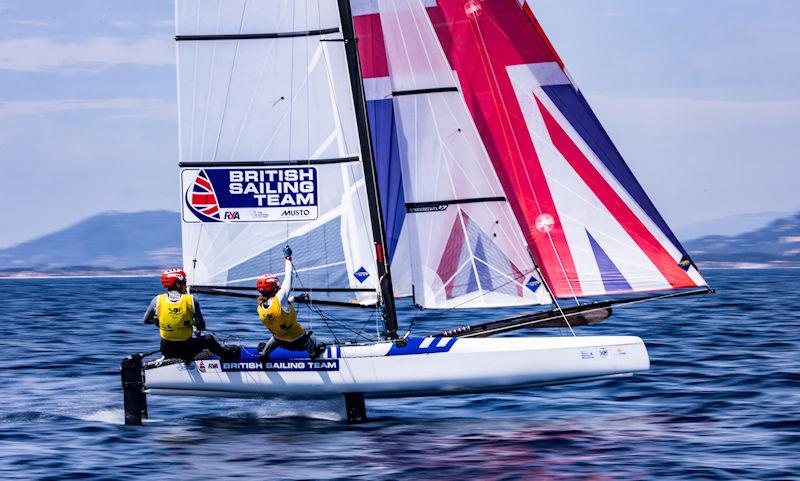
466 249
269 145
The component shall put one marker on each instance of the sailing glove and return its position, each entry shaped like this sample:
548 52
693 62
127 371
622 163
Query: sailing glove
287 252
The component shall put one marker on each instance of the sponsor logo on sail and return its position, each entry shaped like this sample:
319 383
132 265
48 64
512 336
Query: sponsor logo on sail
411 208
246 194
296 213
201 199
533 284
361 275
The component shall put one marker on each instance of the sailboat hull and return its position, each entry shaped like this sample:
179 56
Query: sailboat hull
423 367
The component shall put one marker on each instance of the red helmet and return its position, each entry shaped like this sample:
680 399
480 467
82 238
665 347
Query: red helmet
171 277
267 283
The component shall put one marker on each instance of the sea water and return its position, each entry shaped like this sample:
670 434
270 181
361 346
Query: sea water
721 401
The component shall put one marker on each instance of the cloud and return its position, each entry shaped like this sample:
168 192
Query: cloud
38 54
117 108
29 23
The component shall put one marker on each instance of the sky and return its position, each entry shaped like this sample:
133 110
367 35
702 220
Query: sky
701 97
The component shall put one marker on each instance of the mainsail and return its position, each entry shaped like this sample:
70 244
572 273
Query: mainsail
269 146
588 223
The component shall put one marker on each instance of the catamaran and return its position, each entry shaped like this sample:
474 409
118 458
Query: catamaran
436 150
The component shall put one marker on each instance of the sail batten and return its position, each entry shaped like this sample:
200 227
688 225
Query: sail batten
256 36
433 205
431 90
273 163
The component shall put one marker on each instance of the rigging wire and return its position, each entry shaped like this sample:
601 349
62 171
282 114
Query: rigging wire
327 319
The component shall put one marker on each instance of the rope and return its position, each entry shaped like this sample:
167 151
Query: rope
328 319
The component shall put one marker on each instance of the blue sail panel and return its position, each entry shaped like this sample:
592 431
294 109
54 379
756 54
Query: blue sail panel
387 160
613 280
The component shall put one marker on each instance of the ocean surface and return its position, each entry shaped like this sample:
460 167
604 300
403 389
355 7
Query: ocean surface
721 401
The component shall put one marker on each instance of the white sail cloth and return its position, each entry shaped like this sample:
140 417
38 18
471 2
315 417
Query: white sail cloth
260 88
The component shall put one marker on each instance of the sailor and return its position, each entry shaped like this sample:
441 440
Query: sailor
177 315
277 313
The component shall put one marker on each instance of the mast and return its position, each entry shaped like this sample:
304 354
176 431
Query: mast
370 178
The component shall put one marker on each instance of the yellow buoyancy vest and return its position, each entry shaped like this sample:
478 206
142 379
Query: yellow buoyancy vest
175 319
283 325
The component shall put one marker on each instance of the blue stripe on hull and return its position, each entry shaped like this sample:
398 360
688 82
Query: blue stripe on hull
413 346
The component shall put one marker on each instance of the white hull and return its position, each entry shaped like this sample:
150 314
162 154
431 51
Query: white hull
425 367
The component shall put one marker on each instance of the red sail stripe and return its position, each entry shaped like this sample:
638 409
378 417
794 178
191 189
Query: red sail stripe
211 210
371 47
645 239
479 47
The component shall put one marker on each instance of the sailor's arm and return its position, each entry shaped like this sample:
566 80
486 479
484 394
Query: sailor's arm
199 320
286 285
150 314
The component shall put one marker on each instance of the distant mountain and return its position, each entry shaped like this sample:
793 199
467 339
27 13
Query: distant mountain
729 226
776 244
112 240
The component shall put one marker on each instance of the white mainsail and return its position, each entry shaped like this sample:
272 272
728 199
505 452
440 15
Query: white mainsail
466 247
269 145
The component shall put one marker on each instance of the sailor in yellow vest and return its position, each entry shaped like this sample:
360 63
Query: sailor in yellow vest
277 313
178 316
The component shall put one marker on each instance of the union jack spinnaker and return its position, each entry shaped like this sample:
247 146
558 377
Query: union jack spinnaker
585 219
